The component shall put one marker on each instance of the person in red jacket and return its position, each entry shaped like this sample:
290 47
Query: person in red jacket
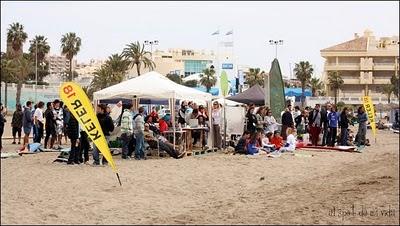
163 123
277 140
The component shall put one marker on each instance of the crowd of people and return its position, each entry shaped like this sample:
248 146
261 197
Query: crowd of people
324 126
53 126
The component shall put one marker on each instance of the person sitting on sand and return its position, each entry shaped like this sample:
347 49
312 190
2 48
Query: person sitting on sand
290 144
277 140
252 148
242 143
266 142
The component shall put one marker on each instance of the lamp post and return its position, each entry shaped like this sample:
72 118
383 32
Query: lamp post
276 43
36 67
151 43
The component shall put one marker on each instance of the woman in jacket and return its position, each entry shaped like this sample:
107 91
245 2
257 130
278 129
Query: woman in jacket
16 123
251 120
344 125
73 134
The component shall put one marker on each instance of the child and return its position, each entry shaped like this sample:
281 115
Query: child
277 140
252 148
290 145
241 145
267 145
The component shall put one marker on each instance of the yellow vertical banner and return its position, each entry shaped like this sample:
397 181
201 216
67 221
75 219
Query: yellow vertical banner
80 107
369 109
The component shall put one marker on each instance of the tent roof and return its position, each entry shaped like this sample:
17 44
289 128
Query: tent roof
255 95
151 85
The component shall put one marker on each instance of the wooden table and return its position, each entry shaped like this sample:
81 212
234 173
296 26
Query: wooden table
189 142
183 132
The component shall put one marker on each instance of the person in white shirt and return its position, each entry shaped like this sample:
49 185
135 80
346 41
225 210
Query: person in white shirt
139 135
126 130
270 122
39 122
290 144
216 121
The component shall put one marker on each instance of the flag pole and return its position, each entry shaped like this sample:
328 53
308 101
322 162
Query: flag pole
119 180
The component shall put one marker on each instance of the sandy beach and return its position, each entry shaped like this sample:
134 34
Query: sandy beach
327 188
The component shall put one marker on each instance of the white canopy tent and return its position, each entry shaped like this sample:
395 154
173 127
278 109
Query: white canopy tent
153 85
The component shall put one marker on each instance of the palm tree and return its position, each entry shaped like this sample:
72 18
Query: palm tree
335 82
208 79
118 66
388 91
136 55
21 68
315 85
303 71
175 78
16 36
43 47
70 46
6 73
105 77
254 76
395 81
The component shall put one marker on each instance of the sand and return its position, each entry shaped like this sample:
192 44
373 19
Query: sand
328 188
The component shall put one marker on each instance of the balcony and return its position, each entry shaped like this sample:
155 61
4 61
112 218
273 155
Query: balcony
384 67
342 67
355 80
381 81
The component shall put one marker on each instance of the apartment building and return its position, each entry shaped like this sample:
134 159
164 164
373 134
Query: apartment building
365 63
59 64
88 68
183 62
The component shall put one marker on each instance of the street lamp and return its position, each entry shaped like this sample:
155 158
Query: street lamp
36 67
276 43
151 43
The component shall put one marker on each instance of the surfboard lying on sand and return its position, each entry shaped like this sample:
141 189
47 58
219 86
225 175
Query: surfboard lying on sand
336 148
9 155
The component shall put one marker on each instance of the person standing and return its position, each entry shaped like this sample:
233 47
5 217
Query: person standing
333 120
39 122
27 123
314 120
66 116
344 125
362 126
216 122
16 123
72 131
107 126
324 119
260 118
126 130
270 122
58 113
139 135
84 146
251 120
287 122
2 122
50 125
182 113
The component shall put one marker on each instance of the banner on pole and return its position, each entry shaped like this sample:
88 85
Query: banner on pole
369 109
80 107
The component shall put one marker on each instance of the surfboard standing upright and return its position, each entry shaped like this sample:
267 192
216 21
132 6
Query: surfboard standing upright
276 91
79 105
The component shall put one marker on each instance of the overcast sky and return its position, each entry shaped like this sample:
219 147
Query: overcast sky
106 27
